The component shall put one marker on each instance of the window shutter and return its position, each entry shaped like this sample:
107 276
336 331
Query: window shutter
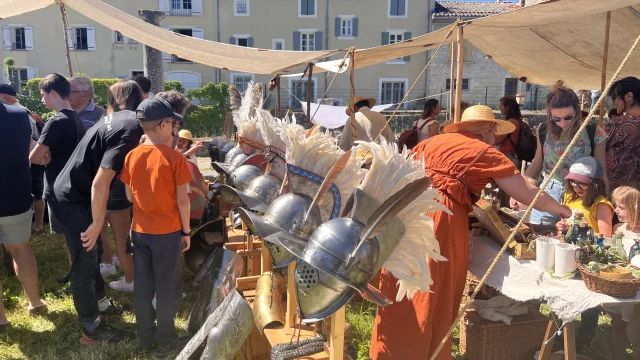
311 7
304 7
166 57
196 7
31 73
28 37
6 34
402 10
385 38
250 41
71 36
393 11
197 33
407 36
233 41
318 40
296 40
354 29
338 26
163 5
91 38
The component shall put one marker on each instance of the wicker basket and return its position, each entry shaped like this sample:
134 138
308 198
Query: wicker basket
482 339
623 289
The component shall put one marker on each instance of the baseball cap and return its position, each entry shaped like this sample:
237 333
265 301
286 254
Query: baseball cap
585 169
7 89
154 109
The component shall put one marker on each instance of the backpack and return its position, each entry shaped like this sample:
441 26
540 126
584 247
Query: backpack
409 138
527 144
591 133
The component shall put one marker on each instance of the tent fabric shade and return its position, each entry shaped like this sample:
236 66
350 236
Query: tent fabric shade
10 8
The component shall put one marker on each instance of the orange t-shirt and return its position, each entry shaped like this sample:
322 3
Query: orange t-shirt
153 173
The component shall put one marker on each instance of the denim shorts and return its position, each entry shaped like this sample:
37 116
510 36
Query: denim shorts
118 197
555 189
16 229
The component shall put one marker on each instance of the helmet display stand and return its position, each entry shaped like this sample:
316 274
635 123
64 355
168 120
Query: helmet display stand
258 345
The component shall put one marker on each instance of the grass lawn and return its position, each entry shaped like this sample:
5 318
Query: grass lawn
57 335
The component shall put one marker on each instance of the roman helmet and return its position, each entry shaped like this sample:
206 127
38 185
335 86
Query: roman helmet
203 242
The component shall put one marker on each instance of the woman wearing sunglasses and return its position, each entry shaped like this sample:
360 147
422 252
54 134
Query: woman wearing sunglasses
564 118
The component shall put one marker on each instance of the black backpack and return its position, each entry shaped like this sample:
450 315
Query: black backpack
409 138
591 132
527 144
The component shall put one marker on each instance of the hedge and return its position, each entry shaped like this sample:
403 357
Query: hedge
201 120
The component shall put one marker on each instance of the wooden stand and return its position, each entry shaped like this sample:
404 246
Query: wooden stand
258 346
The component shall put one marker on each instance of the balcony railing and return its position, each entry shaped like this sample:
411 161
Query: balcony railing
180 12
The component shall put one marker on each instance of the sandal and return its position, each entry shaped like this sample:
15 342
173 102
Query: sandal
35 231
38 310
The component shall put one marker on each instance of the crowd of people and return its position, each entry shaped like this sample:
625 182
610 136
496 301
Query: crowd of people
99 170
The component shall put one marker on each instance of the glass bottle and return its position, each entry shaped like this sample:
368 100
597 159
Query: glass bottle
599 240
616 245
635 249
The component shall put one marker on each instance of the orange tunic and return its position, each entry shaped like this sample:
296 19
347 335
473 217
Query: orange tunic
413 329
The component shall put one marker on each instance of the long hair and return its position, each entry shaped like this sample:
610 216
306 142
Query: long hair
629 197
512 108
595 189
624 86
429 107
561 97
124 95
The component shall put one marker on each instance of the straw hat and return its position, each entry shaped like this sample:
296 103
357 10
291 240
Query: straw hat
357 99
476 116
185 134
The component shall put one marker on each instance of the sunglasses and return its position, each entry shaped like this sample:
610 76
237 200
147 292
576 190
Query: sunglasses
566 118
579 184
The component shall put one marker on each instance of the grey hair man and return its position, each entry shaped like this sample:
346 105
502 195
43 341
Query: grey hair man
81 100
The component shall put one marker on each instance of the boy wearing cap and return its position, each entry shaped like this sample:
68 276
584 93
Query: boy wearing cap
156 178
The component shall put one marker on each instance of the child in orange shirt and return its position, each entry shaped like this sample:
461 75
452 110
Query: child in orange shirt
156 178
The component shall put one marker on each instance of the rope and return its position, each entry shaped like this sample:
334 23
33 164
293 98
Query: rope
535 199
331 83
453 26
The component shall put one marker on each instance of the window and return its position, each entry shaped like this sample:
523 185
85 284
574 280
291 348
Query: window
243 42
81 39
134 73
307 41
19 41
278 44
181 7
465 84
468 52
188 79
241 8
307 8
396 37
299 90
346 27
397 8
119 38
392 90
510 86
241 80
185 32
19 78
18 37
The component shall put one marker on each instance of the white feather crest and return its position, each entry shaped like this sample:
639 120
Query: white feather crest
390 172
269 128
246 123
318 153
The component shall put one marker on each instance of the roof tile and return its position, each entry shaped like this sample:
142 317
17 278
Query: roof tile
472 9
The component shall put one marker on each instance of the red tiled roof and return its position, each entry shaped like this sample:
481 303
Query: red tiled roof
462 9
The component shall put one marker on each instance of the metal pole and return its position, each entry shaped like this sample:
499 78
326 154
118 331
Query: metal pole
459 74
352 116
309 86
486 94
63 13
277 96
605 58
451 80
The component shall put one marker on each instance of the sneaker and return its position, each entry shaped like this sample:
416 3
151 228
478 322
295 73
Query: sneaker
176 345
109 308
116 262
107 270
102 335
121 285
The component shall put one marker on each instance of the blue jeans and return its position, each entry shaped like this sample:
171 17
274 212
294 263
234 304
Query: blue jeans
555 189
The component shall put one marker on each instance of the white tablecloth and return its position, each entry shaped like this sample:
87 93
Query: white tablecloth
521 280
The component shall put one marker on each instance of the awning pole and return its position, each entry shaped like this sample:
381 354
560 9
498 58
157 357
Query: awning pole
65 27
309 87
352 116
459 74
451 80
278 96
605 58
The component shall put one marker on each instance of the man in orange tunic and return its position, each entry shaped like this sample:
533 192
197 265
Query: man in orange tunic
461 163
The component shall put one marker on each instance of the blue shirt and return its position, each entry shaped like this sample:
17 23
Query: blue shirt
15 175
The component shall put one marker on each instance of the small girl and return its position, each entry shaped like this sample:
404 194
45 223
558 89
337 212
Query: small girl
185 142
585 191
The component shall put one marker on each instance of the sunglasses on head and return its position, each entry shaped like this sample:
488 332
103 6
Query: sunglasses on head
579 184
566 118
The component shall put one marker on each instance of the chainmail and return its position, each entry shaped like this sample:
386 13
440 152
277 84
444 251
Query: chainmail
294 350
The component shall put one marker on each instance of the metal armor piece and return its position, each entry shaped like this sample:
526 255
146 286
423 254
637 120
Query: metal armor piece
227 169
331 247
231 154
223 149
268 304
216 279
224 331
203 241
320 295
285 216
260 193
242 176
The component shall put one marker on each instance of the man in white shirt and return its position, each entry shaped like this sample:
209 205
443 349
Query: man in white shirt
368 124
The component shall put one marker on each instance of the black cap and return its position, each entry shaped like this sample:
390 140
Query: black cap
7 89
154 109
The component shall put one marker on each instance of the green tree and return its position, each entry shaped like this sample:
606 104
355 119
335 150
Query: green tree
9 63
